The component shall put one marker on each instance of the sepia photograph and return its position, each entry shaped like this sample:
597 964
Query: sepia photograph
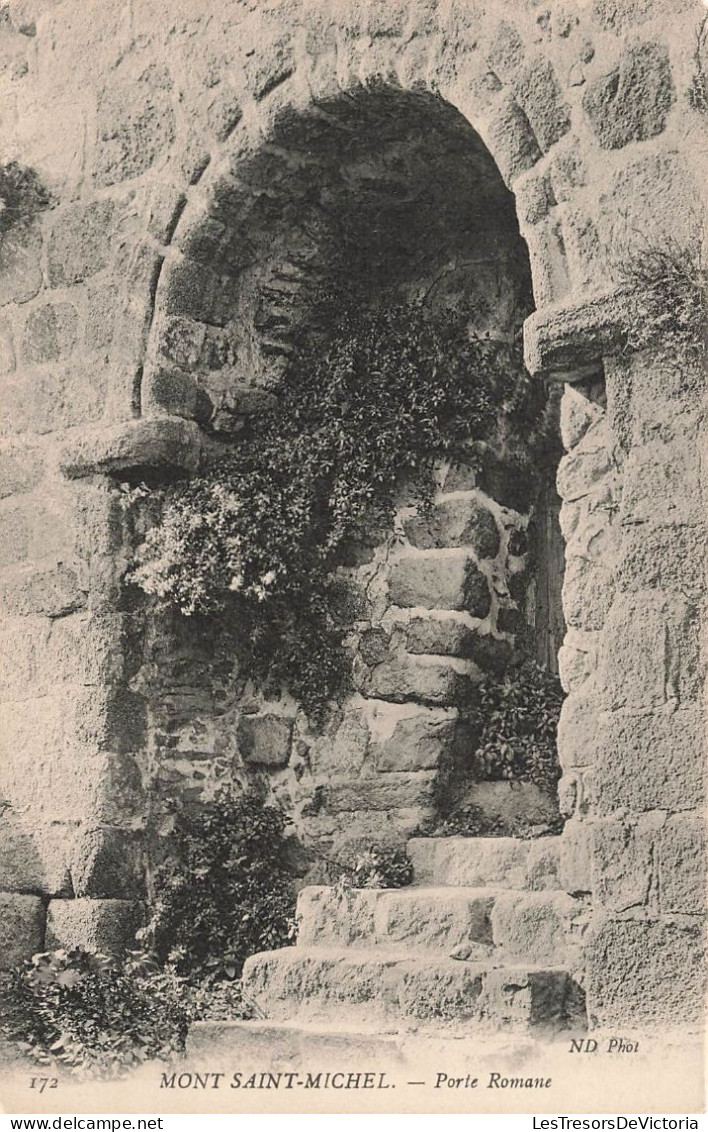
353 498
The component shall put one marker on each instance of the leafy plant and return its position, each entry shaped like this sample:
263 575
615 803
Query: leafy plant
225 891
91 1014
264 528
516 719
378 867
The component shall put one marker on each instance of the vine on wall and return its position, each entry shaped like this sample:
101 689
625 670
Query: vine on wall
261 529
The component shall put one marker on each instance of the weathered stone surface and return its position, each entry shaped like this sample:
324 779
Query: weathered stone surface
669 558
80 243
426 679
577 729
414 919
46 400
136 123
52 591
650 655
577 658
588 593
456 522
21 928
682 865
16 530
96 925
623 863
540 95
587 466
380 793
7 348
481 862
444 637
653 973
511 802
50 333
649 762
631 102
576 857
107 862
540 927
512 141
577 414
302 984
417 742
20 264
21 469
34 858
438 580
661 485
265 739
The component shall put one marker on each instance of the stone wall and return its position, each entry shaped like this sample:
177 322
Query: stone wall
143 123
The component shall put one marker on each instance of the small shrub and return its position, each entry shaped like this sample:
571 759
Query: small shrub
378 867
225 892
92 1015
669 302
516 719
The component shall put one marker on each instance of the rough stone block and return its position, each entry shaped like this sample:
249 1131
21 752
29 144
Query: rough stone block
577 414
661 485
136 124
80 242
649 762
96 925
588 593
153 444
52 591
426 679
439 636
577 729
440 580
623 863
16 523
380 793
107 862
20 264
455 522
576 857
589 465
511 802
481 862
50 333
418 740
639 629
265 739
630 103
539 927
34 857
577 658
682 865
523 998
21 928
7 348
653 973
512 141
667 558
540 95
21 469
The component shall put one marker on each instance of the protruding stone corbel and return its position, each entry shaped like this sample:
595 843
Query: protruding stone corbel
568 342
163 445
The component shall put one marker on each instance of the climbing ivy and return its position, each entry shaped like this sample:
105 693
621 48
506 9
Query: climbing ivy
263 528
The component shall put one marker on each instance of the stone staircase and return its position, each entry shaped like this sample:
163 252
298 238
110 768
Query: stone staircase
483 942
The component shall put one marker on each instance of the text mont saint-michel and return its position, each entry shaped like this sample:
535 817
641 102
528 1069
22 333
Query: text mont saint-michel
341 1080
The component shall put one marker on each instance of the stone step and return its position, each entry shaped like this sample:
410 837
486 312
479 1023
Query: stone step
414 919
465 923
486 862
390 990
288 1047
